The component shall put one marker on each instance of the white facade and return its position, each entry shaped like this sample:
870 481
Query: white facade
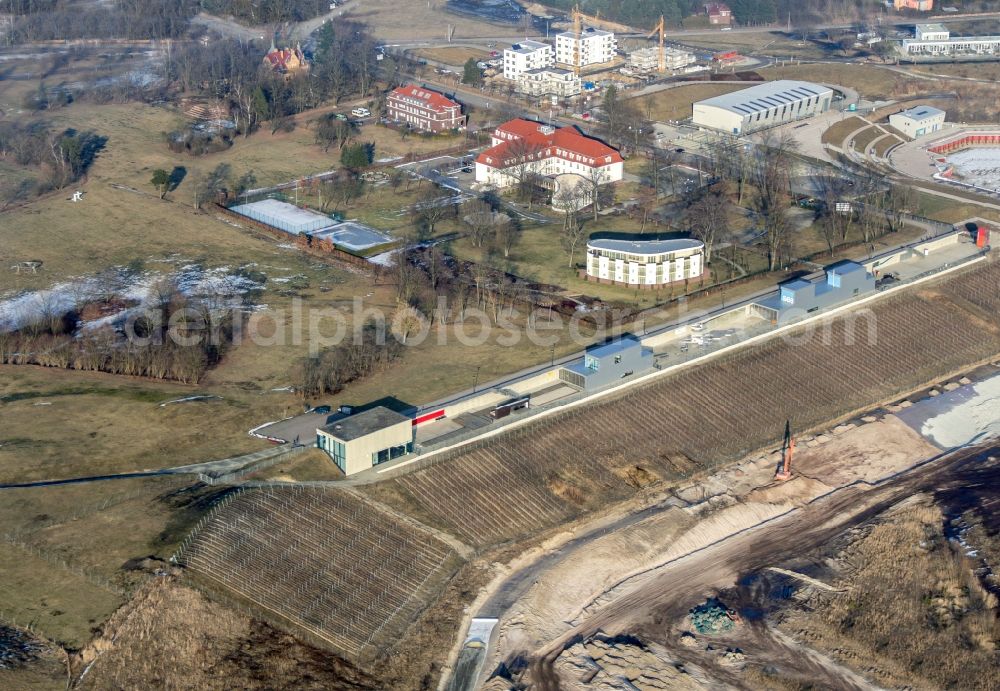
918 121
648 59
521 145
595 47
931 32
524 56
645 262
361 441
934 40
549 81
552 166
764 105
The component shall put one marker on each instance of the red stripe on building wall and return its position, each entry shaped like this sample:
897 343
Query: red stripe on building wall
428 417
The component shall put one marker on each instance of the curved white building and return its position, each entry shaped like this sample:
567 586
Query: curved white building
644 263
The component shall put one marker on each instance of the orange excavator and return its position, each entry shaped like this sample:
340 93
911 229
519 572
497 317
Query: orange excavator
787 449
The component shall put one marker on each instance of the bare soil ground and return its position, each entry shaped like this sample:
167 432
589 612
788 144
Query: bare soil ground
656 611
724 503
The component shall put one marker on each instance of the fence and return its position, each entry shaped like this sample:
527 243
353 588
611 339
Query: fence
319 248
462 442
250 468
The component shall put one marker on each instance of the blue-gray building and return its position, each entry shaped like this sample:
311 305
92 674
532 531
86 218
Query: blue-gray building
607 364
843 281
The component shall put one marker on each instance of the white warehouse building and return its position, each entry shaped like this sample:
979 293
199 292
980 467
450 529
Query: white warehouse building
763 105
595 46
524 56
644 263
918 121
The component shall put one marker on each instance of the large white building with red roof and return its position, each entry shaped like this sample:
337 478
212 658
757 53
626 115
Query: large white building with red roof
423 109
552 152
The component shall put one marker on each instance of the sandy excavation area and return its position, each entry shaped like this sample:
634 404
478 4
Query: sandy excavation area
697 515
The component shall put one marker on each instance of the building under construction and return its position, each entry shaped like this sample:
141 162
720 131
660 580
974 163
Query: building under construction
648 59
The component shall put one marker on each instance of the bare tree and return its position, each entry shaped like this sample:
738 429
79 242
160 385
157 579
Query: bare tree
770 174
569 199
508 233
597 184
834 221
477 214
521 161
708 217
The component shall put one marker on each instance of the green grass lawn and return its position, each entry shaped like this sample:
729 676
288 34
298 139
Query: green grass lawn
836 133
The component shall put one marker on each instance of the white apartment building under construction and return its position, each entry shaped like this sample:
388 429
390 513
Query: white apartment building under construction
595 47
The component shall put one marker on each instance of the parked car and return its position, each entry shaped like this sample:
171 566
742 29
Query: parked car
361 112
322 409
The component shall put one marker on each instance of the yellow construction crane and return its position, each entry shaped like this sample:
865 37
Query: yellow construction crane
661 61
577 16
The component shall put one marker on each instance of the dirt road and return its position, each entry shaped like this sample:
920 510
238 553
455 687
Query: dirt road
669 592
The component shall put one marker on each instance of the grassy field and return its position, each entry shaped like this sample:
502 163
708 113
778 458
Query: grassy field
675 104
885 144
394 20
907 634
869 80
65 549
452 55
951 211
989 71
770 43
865 137
312 464
835 134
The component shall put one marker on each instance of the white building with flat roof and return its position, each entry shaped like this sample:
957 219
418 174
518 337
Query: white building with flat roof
931 32
595 47
763 105
934 40
549 81
918 121
526 55
644 263
363 440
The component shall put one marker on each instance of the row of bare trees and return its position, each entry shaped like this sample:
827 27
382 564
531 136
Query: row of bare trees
367 352
876 207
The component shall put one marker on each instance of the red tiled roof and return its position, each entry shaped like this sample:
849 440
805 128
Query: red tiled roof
716 8
544 145
278 59
432 99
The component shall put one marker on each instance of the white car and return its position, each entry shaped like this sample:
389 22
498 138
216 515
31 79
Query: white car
361 112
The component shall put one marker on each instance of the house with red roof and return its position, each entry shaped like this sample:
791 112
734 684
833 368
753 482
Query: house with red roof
423 109
719 13
561 154
286 60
